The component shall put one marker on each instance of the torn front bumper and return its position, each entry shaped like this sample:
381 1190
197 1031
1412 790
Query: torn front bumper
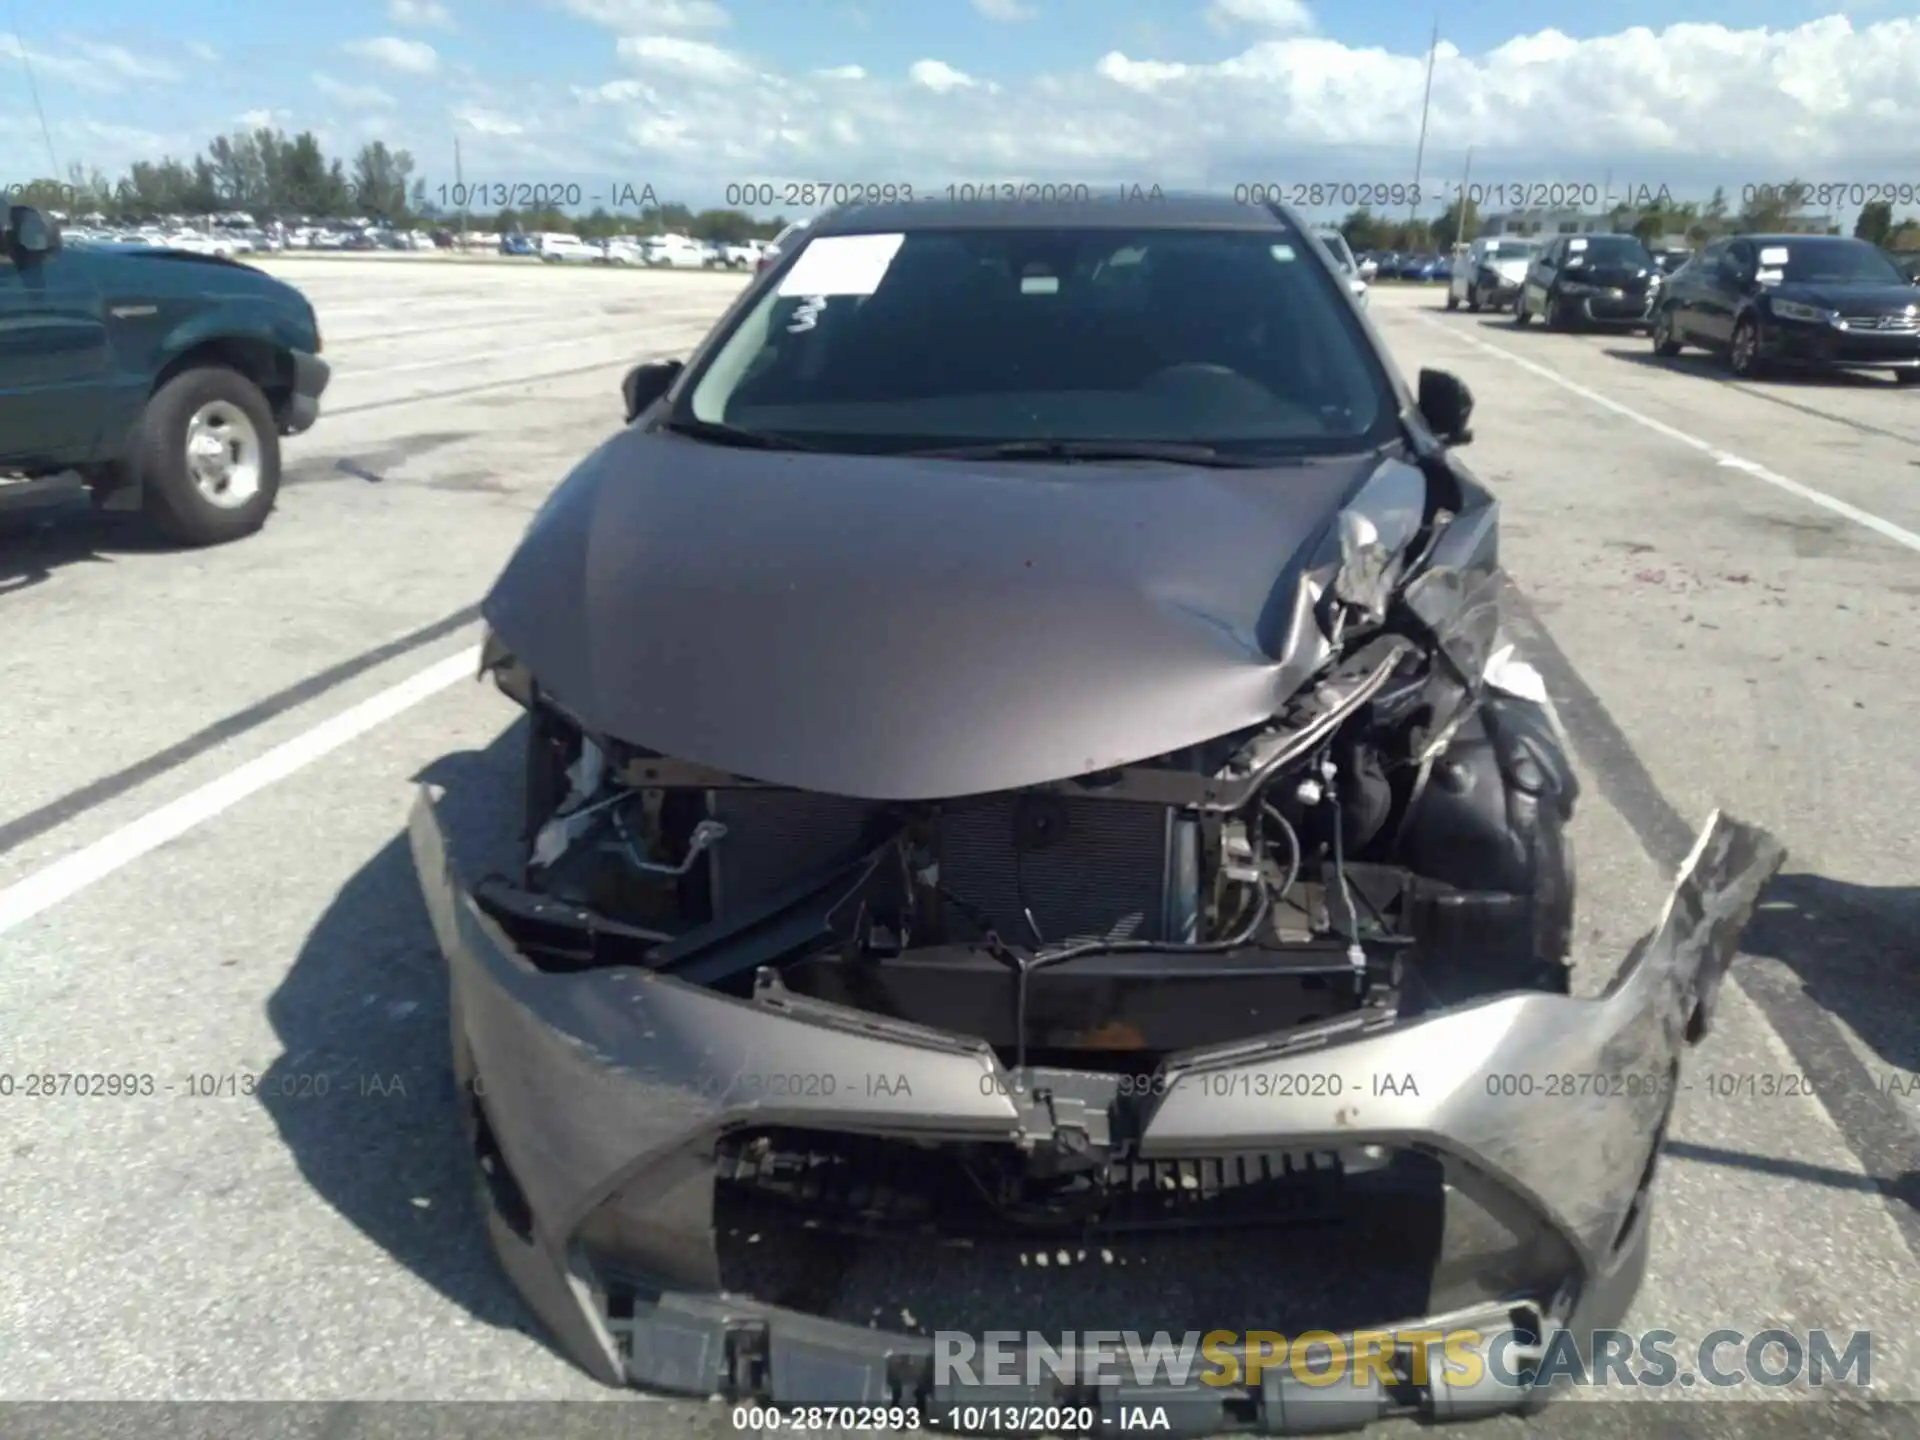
597 1099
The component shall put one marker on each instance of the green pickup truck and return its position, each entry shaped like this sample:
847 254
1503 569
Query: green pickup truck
163 380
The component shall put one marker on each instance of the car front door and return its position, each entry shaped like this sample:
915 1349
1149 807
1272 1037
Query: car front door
54 358
1540 277
1685 291
1721 292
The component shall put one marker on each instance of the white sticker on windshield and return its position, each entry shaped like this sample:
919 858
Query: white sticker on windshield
1039 284
841 265
1773 255
1770 277
1283 253
1576 246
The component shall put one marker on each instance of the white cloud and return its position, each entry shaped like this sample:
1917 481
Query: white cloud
1006 11
260 119
643 16
939 77
125 65
421 14
201 50
1690 107
696 59
410 57
1290 17
488 122
356 96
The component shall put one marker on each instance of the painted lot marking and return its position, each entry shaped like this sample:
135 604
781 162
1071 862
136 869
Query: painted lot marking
69 875
1724 458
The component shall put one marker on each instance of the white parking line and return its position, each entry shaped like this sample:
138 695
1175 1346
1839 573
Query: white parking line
70 874
1724 458
571 342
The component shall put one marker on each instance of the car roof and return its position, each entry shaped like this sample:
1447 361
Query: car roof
1102 210
1795 237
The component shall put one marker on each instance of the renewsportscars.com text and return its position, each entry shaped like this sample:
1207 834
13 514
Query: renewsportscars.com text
1650 1359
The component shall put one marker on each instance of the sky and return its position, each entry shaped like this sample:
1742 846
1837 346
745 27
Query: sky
692 97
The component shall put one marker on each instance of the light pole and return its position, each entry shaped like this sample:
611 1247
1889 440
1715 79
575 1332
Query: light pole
1420 151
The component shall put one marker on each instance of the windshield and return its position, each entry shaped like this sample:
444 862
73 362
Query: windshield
1612 250
1830 262
872 344
1511 250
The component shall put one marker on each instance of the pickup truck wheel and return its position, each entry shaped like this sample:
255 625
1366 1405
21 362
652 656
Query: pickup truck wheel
210 457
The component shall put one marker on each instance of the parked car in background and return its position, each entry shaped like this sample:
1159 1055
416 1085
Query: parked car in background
621 250
1813 302
1669 258
1595 279
518 245
742 256
176 374
1489 272
560 248
676 252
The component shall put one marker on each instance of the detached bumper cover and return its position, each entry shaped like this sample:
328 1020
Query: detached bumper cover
602 1093
310 377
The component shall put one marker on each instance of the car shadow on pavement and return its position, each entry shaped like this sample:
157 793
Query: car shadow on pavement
365 1006
1855 952
1711 367
37 542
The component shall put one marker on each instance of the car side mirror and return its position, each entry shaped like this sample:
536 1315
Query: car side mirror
29 232
1446 405
647 383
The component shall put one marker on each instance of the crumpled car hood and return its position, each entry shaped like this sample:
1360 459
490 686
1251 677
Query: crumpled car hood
915 629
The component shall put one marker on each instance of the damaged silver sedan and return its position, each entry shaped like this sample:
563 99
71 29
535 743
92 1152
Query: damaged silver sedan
1022 749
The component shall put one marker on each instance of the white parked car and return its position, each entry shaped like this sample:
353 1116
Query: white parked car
1488 273
676 250
622 251
743 256
560 249
199 244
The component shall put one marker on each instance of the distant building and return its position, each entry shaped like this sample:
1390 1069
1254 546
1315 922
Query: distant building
1545 222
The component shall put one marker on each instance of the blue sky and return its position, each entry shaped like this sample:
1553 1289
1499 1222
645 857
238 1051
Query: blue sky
690 95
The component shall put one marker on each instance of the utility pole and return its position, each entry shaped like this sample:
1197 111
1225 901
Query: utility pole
1460 235
1420 151
460 196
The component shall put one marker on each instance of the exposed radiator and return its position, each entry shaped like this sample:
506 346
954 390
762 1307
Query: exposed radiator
1104 875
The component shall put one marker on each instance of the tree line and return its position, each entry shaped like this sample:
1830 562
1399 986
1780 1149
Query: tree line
272 176
1779 209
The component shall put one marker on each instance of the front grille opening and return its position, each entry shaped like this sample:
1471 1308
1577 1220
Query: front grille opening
909 1238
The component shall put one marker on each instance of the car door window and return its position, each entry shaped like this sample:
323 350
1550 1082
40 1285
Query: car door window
1737 265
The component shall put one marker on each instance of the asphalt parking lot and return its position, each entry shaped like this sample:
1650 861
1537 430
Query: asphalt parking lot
203 876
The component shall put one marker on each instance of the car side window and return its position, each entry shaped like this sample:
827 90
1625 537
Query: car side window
1550 257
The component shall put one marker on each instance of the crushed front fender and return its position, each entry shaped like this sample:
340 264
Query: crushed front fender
596 1102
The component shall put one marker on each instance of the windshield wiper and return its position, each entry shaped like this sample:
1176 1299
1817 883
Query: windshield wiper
1172 451
717 434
